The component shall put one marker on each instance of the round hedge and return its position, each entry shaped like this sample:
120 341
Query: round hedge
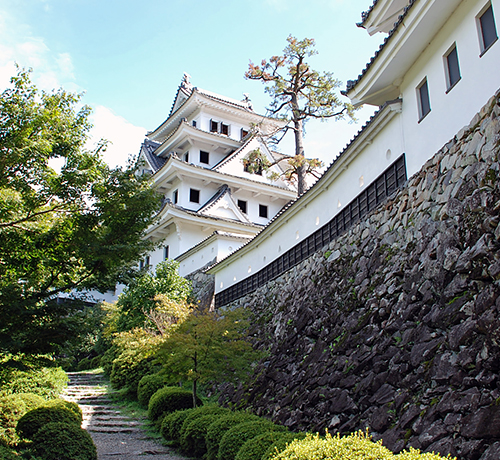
63 441
172 424
256 448
201 411
193 435
169 399
148 386
233 439
218 428
280 444
35 419
72 406
7 454
356 446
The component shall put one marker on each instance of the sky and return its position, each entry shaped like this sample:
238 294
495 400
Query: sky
128 57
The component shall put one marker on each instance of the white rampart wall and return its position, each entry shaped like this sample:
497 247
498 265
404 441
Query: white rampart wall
329 198
453 110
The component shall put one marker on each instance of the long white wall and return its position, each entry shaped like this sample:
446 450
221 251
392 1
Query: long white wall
450 111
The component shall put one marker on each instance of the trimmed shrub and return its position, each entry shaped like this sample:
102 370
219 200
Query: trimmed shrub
47 382
201 411
415 454
194 432
280 444
12 408
169 399
62 441
32 421
356 446
129 368
148 386
232 441
218 428
72 406
172 423
256 448
7 454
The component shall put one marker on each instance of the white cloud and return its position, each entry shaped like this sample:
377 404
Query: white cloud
125 138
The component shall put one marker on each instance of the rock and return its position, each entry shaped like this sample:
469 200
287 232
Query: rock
492 452
485 423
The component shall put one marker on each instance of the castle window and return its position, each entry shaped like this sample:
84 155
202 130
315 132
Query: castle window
452 68
194 195
243 133
243 206
204 157
214 126
263 211
486 28
175 196
424 104
219 127
165 252
194 123
224 129
186 157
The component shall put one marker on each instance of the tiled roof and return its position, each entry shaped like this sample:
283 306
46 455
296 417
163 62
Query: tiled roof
147 148
352 83
366 14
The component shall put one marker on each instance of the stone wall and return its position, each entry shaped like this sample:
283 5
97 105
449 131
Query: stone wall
203 286
396 325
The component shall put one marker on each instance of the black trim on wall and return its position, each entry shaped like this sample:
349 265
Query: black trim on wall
388 182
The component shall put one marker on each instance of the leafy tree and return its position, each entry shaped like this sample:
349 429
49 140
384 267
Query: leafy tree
153 298
299 93
209 347
79 228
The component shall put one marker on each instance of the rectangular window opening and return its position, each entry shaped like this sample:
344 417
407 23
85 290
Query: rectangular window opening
175 196
244 133
165 252
424 103
452 68
194 195
194 123
204 157
263 211
214 126
487 28
243 206
186 157
224 129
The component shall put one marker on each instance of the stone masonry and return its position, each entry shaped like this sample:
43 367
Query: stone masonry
396 325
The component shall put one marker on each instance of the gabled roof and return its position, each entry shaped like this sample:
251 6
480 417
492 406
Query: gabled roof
382 15
148 148
224 199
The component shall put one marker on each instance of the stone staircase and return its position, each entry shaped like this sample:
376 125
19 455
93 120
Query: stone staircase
115 435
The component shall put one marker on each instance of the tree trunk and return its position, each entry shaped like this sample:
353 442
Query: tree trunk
195 385
299 150
195 381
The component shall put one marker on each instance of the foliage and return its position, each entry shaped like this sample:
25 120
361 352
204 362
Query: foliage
193 435
218 428
169 399
29 424
256 448
201 411
281 444
70 405
63 441
149 385
7 454
155 299
415 454
89 363
209 347
19 375
235 437
356 446
299 93
136 351
12 408
172 423
79 228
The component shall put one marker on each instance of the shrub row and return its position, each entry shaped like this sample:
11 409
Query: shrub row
169 399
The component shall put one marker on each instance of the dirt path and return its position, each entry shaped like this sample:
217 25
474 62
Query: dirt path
116 436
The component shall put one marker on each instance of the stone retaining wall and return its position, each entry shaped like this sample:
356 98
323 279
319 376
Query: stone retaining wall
396 325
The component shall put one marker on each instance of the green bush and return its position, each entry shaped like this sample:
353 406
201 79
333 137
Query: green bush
72 406
47 382
415 454
88 363
256 448
356 446
169 399
218 428
172 423
63 441
234 438
12 408
194 432
280 444
201 411
32 421
149 385
7 454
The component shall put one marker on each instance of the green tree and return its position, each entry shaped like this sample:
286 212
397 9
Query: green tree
299 93
209 347
77 228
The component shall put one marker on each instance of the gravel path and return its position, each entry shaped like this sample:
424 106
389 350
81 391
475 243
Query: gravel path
116 436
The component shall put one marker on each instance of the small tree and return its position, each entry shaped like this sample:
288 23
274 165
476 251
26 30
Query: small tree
299 93
209 346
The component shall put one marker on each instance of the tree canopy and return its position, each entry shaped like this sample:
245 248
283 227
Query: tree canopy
73 229
299 93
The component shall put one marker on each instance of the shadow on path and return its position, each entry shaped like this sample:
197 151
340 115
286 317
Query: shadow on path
116 436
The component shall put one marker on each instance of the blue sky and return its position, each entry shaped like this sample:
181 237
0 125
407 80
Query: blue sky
129 56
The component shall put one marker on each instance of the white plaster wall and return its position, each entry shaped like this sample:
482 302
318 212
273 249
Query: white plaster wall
203 122
385 148
449 112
